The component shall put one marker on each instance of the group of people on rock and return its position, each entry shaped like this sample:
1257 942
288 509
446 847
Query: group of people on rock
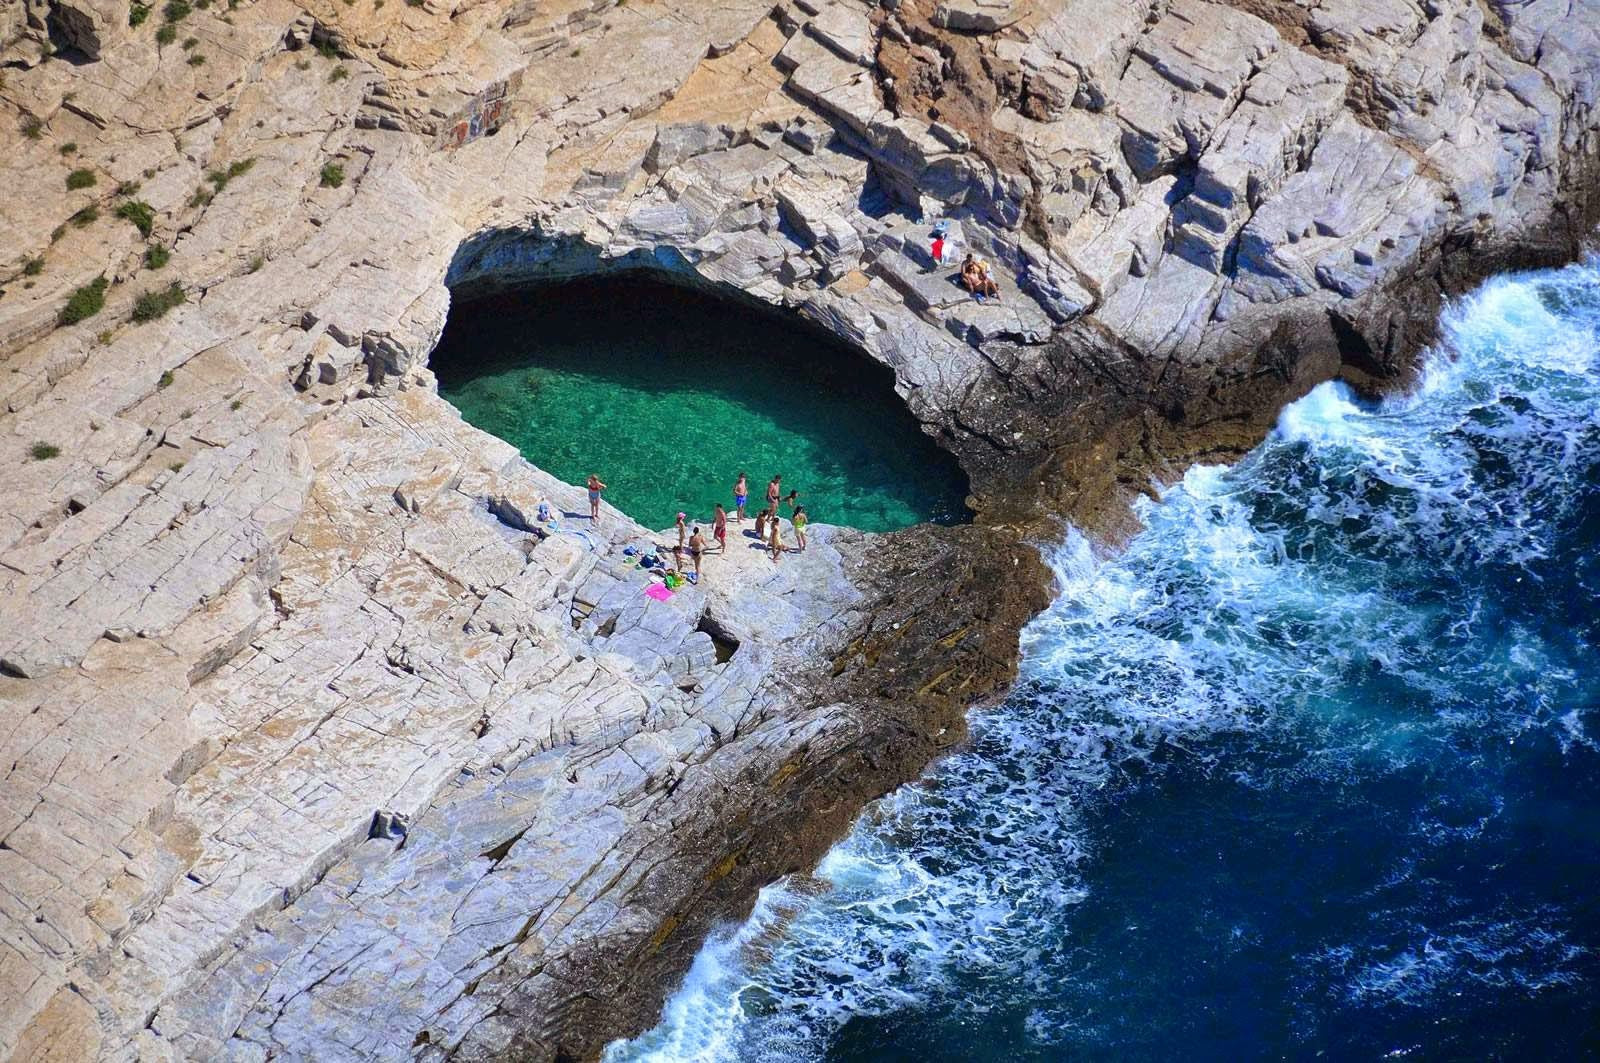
975 276
768 524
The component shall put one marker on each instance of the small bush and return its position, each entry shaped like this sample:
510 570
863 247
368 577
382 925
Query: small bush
339 73
138 13
332 175
156 256
154 304
197 59
142 215
200 198
42 451
219 178
235 404
32 128
33 267
176 10
166 35
327 49
103 337
80 179
165 380
189 42
57 233
68 148
86 217
256 263
176 466
86 302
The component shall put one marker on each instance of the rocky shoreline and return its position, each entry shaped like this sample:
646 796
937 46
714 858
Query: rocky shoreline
319 746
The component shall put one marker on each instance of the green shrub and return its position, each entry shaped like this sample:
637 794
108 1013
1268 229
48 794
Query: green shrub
86 302
256 263
332 175
339 73
165 380
235 404
154 304
327 49
156 256
57 233
219 178
86 217
190 42
80 179
197 59
138 13
33 267
68 148
176 10
42 451
32 128
166 35
142 215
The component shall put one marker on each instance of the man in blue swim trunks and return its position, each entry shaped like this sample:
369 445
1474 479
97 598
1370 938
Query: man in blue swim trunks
741 495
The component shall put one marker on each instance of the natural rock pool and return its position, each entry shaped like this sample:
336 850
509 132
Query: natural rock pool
667 394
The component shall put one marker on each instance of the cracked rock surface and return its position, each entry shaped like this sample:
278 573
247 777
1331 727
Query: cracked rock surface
315 744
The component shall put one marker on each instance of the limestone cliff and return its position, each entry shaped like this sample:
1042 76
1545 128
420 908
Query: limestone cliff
311 746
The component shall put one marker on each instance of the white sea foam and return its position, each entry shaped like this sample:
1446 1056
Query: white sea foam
1254 596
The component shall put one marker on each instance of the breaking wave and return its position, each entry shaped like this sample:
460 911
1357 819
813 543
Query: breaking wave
1309 766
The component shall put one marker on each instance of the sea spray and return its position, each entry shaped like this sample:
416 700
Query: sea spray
1308 767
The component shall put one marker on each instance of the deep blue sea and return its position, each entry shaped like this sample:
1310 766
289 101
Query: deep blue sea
1309 768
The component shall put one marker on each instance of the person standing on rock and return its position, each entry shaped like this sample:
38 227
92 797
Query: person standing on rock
719 529
741 495
596 485
697 548
800 523
683 529
775 539
773 491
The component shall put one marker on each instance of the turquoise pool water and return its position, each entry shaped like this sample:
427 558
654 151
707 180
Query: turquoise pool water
667 394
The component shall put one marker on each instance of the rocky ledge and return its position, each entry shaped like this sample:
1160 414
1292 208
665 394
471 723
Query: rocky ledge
317 746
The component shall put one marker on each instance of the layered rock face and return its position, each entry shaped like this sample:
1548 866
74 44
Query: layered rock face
314 745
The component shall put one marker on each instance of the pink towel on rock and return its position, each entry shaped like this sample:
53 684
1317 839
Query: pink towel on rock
658 591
